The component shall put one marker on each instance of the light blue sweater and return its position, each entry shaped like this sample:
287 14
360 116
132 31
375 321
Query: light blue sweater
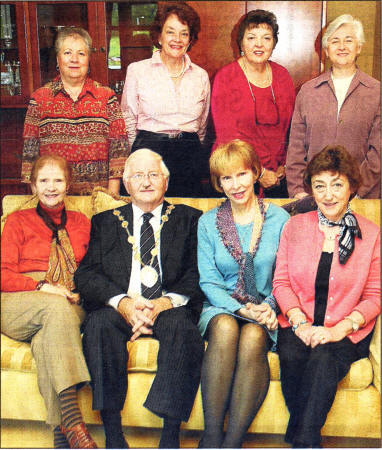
219 271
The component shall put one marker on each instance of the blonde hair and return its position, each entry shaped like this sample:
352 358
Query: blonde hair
232 154
144 151
75 32
344 19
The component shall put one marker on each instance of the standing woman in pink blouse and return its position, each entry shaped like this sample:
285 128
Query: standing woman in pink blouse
166 99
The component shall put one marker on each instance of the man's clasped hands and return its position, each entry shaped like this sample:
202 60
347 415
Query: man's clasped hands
141 313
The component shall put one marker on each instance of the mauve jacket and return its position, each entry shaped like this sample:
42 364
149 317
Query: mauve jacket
315 125
355 286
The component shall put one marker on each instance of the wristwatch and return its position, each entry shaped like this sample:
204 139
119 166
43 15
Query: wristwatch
354 325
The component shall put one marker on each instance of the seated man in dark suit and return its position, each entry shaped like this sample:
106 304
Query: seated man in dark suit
140 278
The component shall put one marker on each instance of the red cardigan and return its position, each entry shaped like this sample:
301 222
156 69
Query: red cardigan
25 245
232 110
355 286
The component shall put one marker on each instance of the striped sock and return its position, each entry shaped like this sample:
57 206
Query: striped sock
70 411
59 439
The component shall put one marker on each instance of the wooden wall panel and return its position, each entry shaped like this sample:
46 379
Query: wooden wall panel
377 44
299 45
298 49
215 46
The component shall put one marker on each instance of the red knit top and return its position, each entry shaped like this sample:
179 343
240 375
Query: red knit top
233 112
25 245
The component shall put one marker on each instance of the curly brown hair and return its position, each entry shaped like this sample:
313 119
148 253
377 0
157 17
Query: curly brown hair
185 14
335 159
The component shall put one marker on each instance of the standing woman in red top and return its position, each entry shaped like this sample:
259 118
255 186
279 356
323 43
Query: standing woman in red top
327 283
78 119
40 250
253 99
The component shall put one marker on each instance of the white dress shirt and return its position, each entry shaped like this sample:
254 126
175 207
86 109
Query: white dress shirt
135 278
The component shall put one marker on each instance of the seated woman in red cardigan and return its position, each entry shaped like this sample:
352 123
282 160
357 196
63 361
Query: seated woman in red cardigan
328 286
40 250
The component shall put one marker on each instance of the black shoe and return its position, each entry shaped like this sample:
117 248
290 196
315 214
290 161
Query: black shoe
116 442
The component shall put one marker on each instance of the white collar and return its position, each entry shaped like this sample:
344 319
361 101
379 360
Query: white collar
138 212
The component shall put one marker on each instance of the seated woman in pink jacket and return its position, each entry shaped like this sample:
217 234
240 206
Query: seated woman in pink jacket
327 284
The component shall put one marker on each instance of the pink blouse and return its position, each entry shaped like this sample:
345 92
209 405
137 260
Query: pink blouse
150 100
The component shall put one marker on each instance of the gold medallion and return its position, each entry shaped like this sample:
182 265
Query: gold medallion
149 276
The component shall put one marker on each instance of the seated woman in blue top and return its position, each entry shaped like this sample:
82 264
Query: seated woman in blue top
237 245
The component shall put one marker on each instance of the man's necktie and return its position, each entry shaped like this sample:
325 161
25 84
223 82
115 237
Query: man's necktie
150 273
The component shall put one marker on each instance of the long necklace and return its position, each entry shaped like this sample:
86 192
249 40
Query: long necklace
149 275
254 226
181 70
258 221
268 80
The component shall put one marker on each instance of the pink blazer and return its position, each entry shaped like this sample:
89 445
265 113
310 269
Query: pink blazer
355 286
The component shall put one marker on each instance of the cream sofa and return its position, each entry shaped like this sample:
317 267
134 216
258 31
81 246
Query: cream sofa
355 413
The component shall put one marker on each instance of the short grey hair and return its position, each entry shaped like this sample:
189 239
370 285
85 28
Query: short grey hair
73 31
344 19
144 151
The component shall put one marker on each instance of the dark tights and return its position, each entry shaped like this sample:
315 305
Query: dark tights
235 378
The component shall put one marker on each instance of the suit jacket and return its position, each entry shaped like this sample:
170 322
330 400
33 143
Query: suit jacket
105 270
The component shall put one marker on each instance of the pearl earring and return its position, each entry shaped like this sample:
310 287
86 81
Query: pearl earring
242 53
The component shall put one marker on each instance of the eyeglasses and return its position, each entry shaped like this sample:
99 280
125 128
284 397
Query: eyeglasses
266 110
152 176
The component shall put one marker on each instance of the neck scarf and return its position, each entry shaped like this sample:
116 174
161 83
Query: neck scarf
245 289
62 263
349 229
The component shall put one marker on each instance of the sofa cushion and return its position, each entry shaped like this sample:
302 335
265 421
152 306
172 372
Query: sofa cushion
17 356
13 203
102 200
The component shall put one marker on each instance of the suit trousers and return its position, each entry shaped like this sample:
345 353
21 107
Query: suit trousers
179 361
52 326
309 379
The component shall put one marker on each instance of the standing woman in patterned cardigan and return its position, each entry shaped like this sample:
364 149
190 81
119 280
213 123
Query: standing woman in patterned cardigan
78 119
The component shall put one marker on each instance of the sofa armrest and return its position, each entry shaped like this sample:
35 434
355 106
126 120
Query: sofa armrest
375 354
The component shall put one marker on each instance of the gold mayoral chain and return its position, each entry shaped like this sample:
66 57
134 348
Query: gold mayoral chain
149 275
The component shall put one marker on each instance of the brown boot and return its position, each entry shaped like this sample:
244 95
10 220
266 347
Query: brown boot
79 437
